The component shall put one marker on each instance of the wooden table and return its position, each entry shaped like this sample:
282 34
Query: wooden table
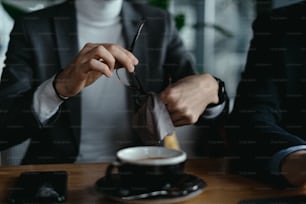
222 186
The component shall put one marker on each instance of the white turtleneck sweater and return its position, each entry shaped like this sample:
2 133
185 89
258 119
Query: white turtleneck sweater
104 113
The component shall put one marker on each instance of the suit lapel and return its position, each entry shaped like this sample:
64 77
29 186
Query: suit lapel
129 21
67 44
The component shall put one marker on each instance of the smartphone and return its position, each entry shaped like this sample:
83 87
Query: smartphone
38 187
294 199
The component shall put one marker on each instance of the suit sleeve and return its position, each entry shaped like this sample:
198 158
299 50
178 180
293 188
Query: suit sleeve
255 126
16 90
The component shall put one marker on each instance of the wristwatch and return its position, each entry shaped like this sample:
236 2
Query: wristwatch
222 95
213 110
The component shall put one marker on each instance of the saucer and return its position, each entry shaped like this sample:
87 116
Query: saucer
180 188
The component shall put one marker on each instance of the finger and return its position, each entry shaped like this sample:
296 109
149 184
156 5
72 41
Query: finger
88 52
176 116
98 52
184 117
96 65
87 47
178 123
123 57
179 119
170 96
163 96
172 107
131 57
83 57
103 55
113 56
176 105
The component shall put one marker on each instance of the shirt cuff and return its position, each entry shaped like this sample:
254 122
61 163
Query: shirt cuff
277 158
45 101
214 111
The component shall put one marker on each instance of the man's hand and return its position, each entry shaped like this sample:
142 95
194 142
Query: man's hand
188 98
293 168
93 61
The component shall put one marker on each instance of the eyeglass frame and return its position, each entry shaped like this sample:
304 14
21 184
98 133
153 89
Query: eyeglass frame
132 75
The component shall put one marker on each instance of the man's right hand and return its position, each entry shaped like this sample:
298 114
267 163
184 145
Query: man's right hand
93 61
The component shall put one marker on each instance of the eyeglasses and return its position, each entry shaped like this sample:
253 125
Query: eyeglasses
133 82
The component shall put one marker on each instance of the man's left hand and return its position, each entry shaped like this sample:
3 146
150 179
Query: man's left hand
187 99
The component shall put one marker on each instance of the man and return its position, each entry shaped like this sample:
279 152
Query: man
269 119
59 86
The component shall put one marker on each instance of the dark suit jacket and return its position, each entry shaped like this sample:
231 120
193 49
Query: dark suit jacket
270 110
45 41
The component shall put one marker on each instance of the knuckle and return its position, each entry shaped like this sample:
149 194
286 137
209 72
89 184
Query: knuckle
194 119
170 95
190 118
112 47
100 48
174 92
91 62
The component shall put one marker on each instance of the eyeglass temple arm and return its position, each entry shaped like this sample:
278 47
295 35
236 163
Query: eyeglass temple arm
131 49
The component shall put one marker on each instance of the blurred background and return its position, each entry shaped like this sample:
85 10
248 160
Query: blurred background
217 32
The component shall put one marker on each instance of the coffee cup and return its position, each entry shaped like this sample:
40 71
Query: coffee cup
147 165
